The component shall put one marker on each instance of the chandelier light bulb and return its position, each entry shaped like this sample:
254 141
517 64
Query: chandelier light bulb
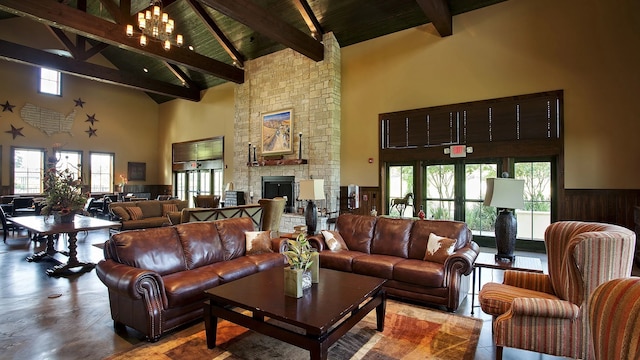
179 40
165 17
143 40
156 11
147 14
129 30
167 45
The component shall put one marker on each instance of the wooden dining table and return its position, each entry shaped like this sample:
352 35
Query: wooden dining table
45 226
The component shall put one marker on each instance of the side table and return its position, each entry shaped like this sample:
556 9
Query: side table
488 260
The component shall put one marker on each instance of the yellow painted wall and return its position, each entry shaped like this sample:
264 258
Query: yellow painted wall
181 120
590 49
127 119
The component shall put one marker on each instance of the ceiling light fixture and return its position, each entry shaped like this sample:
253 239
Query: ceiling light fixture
155 24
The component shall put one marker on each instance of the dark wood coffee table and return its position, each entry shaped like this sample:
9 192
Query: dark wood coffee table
322 315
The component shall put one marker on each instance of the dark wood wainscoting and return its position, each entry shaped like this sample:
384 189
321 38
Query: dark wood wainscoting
603 205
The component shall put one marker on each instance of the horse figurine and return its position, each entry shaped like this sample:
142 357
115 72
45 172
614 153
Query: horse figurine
400 204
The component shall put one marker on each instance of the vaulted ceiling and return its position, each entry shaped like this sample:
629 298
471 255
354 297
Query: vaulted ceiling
220 35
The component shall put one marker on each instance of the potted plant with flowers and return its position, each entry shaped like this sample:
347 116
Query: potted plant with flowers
63 193
303 266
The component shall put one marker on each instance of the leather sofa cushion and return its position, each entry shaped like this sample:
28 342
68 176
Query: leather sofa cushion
339 260
157 249
201 244
266 261
233 269
356 231
185 288
419 272
231 233
391 237
422 229
380 266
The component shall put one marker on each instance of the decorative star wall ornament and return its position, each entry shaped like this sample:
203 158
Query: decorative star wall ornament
91 131
7 107
91 118
15 132
79 102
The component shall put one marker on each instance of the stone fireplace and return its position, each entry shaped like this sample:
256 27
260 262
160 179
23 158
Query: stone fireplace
289 80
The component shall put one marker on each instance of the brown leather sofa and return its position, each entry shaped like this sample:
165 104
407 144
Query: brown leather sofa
394 249
157 277
153 213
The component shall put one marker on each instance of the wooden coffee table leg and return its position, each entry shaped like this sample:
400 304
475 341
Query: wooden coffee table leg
210 325
319 352
381 311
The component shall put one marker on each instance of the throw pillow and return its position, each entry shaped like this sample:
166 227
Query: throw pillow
334 241
121 212
168 208
258 242
439 248
135 212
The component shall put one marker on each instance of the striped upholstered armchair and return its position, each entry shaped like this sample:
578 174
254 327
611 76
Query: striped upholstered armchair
614 319
548 313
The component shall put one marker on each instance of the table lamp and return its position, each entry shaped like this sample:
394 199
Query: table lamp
505 194
311 190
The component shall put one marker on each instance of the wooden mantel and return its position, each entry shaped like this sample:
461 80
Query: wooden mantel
278 162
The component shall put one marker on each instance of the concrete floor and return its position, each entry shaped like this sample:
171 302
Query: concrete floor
44 317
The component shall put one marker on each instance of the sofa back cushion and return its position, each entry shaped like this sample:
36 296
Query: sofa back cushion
201 243
150 208
422 229
357 231
156 249
231 232
391 237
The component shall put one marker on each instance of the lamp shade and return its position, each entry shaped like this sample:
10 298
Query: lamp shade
311 189
505 193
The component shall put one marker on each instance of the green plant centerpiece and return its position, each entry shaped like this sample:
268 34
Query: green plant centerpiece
303 266
63 194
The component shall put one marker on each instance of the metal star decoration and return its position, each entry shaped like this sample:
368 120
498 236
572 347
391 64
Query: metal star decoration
91 118
91 131
7 107
15 132
79 102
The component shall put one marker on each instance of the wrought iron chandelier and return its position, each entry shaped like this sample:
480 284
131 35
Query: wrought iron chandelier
155 25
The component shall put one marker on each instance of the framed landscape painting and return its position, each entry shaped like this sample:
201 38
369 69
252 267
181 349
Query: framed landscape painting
276 132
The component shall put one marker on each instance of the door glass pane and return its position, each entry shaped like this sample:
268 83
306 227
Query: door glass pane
480 219
536 216
400 186
440 191
180 188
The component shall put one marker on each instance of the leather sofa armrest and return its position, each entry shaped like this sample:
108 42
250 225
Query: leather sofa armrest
131 282
462 260
279 245
317 242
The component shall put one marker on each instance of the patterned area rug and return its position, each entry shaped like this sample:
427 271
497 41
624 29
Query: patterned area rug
411 332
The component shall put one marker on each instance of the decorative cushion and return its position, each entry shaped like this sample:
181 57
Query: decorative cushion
135 212
258 242
334 241
168 208
439 248
121 212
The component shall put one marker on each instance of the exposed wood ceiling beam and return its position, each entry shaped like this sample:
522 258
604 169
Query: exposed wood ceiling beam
216 32
67 18
178 73
252 15
26 55
438 12
121 14
310 18
78 50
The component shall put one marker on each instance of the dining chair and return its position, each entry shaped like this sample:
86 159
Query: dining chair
272 210
6 224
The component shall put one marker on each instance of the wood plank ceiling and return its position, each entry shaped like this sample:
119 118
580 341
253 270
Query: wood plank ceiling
223 34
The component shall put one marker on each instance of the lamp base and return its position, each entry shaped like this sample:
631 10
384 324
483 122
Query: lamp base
311 217
506 228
